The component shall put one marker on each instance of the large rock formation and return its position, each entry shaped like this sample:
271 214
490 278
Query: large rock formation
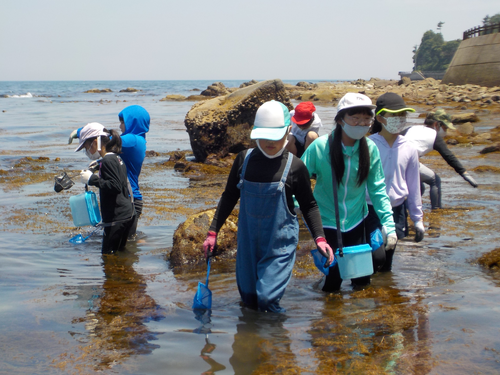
189 236
222 125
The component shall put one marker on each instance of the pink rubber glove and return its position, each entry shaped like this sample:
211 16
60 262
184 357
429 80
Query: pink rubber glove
209 244
325 250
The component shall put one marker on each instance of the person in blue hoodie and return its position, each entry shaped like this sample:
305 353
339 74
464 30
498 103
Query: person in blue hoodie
134 124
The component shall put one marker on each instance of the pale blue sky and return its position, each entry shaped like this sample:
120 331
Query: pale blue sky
222 39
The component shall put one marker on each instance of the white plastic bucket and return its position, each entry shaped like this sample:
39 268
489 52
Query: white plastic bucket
356 262
84 209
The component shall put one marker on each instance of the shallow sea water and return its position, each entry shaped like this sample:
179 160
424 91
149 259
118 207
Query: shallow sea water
67 310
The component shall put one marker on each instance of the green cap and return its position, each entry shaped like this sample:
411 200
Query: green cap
441 116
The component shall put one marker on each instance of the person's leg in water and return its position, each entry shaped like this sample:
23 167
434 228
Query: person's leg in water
428 176
382 260
138 211
400 217
115 237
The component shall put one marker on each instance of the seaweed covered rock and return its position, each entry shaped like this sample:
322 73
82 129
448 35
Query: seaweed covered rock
97 91
215 89
130 89
490 260
222 125
249 83
189 236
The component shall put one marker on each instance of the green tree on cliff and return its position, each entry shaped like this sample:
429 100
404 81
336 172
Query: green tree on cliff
434 54
491 24
491 20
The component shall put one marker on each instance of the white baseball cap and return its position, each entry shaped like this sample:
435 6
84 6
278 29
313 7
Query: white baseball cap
271 121
354 99
91 130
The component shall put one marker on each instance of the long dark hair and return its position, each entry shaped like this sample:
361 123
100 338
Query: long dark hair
336 154
377 126
112 142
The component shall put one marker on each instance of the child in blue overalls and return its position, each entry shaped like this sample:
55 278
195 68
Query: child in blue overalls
266 179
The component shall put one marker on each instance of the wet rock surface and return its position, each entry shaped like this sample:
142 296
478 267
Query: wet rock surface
222 125
130 89
215 89
189 237
97 91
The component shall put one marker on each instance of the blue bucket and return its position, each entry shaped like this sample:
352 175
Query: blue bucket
84 209
356 262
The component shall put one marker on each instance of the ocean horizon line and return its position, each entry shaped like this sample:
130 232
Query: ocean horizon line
180 80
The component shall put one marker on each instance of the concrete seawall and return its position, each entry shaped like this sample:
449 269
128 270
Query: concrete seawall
477 61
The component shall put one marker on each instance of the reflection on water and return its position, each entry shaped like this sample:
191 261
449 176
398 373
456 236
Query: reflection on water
205 355
203 316
66 309
116 319
261 344
375 330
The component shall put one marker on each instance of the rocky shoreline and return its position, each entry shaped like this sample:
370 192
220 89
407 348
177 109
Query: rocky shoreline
428 92
210 121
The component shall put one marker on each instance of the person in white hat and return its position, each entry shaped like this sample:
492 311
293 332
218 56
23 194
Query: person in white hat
265 180
357 166
134 125
117 208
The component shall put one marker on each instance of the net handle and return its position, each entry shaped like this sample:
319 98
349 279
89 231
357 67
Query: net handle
208 268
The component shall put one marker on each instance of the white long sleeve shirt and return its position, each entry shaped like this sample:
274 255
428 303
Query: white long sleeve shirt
402 177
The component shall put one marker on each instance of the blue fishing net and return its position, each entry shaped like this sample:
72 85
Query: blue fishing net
203 296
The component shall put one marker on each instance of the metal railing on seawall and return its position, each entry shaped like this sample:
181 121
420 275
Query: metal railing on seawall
482 30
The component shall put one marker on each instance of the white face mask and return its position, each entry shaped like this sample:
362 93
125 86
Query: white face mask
395 125
93 156
442 132
279 153
355 132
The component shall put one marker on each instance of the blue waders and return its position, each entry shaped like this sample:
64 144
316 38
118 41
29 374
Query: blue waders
267 238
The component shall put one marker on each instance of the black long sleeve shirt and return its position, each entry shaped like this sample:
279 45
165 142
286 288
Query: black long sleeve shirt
262 169
113 189
448 156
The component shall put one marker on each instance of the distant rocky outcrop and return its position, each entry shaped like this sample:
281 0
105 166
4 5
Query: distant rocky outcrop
173 98
249 83
96 91
215 89
222 125
307 85
129 89
189 236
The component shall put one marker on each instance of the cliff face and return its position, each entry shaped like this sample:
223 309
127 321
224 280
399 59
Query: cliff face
477 61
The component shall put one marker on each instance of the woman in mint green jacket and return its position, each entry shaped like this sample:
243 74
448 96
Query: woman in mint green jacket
358 169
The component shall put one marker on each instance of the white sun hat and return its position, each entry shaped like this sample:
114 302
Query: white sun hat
271 121
354 99
91 130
